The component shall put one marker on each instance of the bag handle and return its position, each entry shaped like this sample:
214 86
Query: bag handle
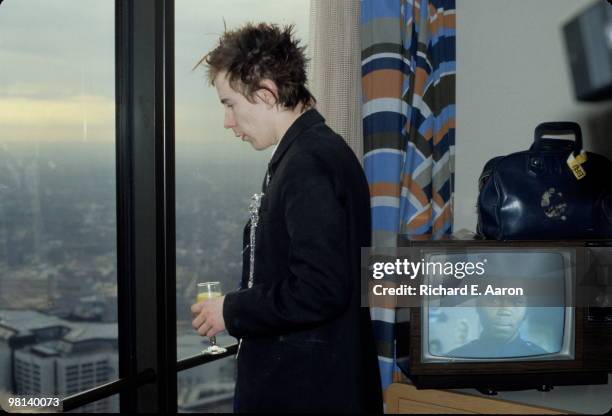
558 127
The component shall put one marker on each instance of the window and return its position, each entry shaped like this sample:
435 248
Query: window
216 174
58 259
58 266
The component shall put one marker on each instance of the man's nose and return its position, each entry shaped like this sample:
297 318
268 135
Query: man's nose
229 122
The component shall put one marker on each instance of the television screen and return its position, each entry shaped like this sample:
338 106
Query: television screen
498 327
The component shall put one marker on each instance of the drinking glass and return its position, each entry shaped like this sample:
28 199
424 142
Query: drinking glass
209 290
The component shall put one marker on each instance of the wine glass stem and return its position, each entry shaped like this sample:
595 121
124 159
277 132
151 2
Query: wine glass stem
213 341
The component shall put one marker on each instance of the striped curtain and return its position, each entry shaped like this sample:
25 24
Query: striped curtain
408 79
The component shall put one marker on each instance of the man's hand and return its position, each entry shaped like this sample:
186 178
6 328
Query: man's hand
208 316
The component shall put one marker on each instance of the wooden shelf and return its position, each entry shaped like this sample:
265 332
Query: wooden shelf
405 398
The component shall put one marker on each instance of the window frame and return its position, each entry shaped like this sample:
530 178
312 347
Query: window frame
144 80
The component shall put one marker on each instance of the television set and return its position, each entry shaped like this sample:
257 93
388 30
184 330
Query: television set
559 336
588 43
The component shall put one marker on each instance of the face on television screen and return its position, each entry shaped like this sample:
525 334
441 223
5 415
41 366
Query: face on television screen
495 332
500 327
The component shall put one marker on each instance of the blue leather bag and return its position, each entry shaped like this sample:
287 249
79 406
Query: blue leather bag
553 191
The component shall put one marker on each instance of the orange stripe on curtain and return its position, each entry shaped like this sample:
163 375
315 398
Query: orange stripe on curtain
415 189
442 20
420 78
383 83
450 124
444 217
420 219
385 189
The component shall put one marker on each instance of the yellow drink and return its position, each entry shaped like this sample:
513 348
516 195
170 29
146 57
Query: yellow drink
207 295
206 291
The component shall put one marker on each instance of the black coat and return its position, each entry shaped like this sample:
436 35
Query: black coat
307 344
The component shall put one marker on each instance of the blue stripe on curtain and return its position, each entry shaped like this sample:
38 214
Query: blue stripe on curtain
386 8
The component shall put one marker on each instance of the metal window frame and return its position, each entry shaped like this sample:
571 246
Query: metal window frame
126 385
145 203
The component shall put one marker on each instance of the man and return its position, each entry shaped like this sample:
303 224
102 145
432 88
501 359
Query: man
501 318
306 344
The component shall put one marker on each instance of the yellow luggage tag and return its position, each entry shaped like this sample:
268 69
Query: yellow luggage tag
575 162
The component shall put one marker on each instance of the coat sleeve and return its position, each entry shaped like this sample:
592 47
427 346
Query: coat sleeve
318 287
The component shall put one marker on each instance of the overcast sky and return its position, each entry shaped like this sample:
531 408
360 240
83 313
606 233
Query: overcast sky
57 66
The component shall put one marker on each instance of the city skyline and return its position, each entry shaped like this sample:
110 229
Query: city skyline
77 283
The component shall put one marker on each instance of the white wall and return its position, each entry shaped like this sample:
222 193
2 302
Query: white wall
512 74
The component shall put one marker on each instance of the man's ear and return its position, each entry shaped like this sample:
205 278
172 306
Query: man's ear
268 92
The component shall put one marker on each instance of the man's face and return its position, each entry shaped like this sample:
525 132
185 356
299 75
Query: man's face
501 317
251 121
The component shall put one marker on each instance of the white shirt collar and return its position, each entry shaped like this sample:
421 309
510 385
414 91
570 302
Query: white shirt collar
274 150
